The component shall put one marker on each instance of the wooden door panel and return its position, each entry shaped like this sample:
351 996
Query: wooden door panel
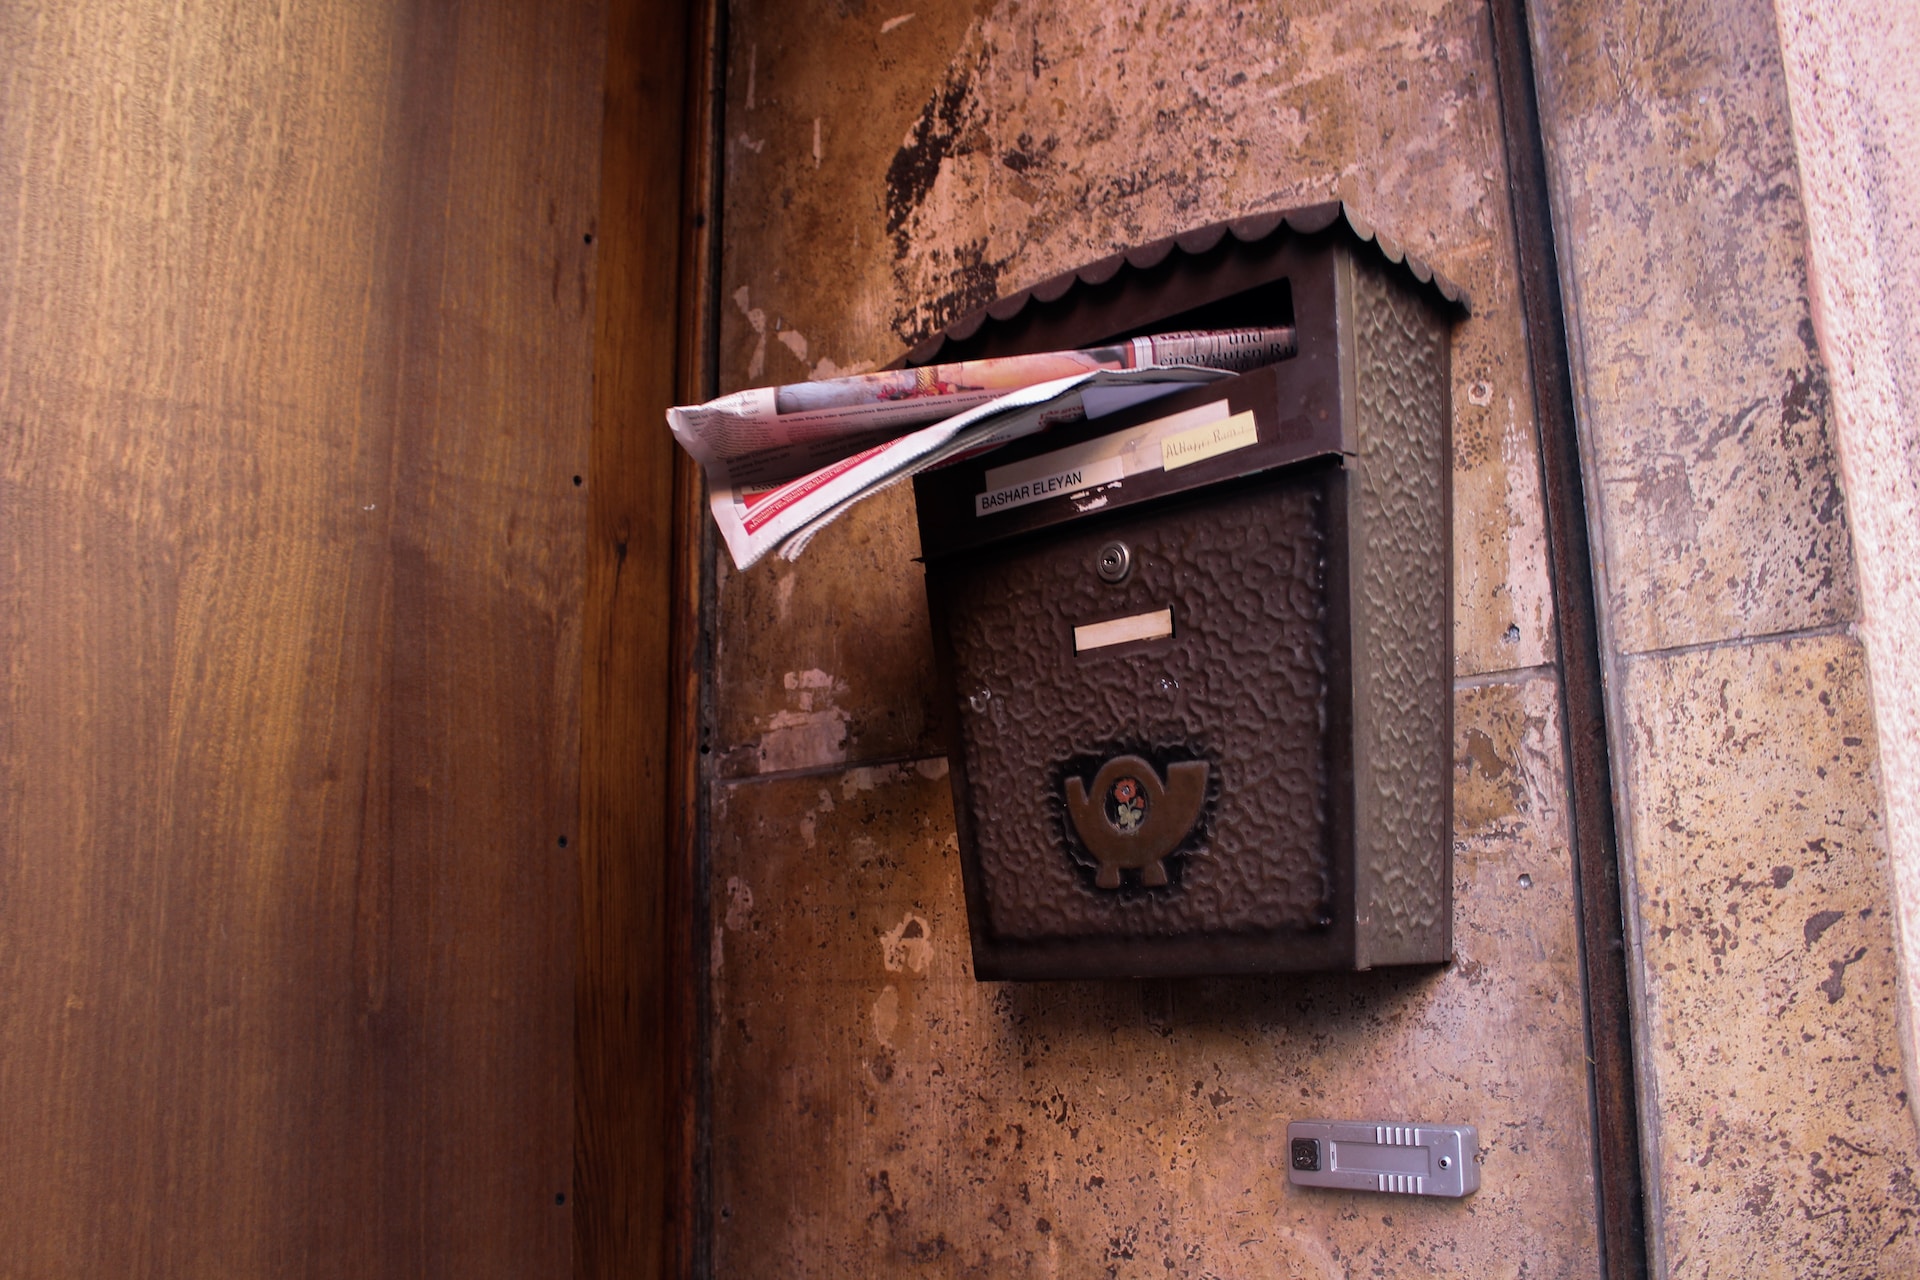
293 391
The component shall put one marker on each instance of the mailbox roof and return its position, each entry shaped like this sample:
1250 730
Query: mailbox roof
1305 220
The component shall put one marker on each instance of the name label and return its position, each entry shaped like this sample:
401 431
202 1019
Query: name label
1071 480
1201 443
1096 462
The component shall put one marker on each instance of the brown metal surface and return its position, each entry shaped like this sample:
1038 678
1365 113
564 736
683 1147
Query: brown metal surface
1400 589
1296 412
1616 1129
1243 685
1130 820
1368 391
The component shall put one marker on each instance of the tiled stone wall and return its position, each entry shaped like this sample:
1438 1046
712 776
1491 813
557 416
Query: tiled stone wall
880 1113
1777 1137
877 1112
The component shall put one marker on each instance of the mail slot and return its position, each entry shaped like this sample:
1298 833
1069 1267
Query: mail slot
1197 652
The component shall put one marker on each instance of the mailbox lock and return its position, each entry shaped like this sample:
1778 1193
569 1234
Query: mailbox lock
1115 562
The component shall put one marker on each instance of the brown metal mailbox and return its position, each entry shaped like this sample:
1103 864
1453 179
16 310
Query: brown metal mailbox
1201 715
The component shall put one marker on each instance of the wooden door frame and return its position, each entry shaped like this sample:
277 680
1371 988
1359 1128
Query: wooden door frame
640 1008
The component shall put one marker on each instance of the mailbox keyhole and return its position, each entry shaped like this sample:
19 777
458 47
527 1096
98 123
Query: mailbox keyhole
1115 562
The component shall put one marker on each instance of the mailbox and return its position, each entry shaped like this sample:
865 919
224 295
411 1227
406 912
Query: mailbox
1200 702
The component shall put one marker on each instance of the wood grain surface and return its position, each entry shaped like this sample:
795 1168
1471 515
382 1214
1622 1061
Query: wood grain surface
295 349
638 1016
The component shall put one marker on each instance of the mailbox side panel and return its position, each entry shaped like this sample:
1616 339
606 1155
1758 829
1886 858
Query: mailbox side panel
1401 599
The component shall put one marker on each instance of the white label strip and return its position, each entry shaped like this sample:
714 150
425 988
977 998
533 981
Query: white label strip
1072 479
1140 626
1093 462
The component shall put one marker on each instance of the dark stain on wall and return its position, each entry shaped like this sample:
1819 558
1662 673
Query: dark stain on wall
940 132
952 125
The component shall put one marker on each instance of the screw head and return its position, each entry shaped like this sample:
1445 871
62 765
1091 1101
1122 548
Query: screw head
1114 562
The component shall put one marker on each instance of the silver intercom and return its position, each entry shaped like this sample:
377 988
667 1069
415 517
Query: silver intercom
1411 1159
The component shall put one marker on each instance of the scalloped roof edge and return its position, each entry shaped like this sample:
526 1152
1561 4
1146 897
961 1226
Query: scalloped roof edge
1305 220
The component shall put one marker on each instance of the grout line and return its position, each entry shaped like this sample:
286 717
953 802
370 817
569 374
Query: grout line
1479 680
1624 1144
1509 675
1741 642
829 769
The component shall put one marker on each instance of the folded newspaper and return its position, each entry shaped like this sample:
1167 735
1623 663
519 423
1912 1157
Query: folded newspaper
784 462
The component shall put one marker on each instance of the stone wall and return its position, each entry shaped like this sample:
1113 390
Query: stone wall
877 1112
1776 1136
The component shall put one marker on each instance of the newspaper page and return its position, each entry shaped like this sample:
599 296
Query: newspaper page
783 460
785 519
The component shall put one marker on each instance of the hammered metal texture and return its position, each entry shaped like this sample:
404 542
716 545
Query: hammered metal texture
1402 622
1242 684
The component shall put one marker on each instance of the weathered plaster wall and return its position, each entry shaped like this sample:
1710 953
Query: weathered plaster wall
1777 1138
876 1111
882 182
1853 80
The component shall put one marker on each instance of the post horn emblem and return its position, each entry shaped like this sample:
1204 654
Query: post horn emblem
1131 820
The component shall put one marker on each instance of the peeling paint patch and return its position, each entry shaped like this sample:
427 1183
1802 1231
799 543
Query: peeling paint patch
739 903
803 740
908 945
940 132
1501 771
757 319
886 1016
826 368
811 730
855 781
810 680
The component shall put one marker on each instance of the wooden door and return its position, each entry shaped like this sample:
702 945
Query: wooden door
294 405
